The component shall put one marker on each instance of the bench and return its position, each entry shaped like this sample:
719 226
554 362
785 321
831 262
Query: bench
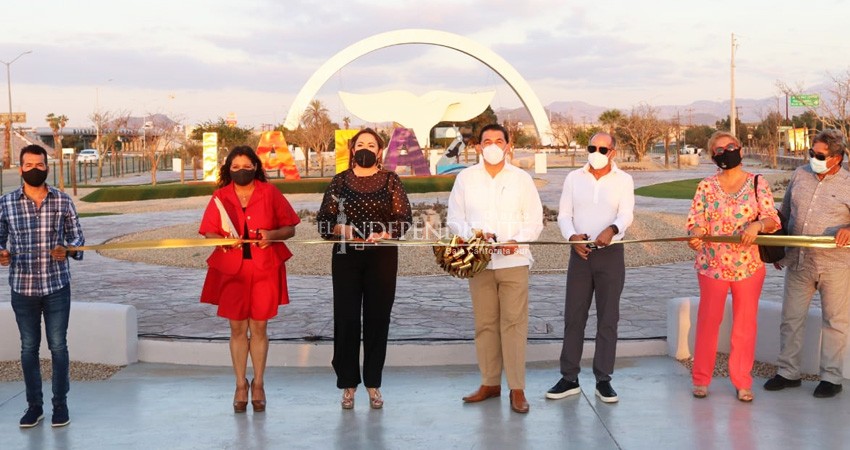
681 329
102 333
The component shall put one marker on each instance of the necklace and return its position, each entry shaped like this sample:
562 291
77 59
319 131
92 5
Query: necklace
244 196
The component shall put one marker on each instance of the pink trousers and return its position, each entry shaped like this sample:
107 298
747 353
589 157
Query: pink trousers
712 302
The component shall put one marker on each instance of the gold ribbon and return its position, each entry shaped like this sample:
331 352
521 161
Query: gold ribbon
768 240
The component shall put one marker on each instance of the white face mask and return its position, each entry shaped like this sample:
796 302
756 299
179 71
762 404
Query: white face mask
818 166
597 160
493 154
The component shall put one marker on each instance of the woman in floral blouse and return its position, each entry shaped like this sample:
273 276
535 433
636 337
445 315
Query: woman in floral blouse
726 204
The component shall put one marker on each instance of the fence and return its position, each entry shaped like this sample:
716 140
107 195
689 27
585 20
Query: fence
86 171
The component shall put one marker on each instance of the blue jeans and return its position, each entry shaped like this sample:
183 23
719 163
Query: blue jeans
56 307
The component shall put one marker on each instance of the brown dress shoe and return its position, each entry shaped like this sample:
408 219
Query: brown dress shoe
518 402
483 393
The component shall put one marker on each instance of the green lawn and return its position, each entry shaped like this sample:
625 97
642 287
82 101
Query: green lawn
681 189
440 183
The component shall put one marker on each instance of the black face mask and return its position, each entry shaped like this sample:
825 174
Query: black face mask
34 177
365 158
242 177
728 160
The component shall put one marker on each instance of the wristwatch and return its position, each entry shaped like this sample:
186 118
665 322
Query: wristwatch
615 228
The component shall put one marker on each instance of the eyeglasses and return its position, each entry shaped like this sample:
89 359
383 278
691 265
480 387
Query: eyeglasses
728 148
817 156
594 148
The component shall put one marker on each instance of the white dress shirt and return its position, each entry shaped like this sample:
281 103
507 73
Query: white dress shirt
588 205
507 205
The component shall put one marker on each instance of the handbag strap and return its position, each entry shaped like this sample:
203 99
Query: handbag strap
756 189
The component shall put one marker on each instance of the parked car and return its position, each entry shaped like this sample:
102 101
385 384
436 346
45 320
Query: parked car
691 150
88 155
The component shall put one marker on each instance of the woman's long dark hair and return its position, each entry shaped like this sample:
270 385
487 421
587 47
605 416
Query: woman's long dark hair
241 150
353 141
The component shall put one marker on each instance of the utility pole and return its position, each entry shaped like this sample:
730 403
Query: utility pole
679 150
7 155
732 112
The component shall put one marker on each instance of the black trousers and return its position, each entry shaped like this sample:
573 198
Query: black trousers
362 279
602 274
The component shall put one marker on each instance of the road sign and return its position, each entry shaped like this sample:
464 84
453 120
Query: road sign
805 100
17 117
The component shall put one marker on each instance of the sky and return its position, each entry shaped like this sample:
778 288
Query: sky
201 60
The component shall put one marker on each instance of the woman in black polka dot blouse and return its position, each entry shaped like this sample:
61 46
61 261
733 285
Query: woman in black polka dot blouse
364 203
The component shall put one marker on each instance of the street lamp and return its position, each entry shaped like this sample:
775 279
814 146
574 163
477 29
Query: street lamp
7 156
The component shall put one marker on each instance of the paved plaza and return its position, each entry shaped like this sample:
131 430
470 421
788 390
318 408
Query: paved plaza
150 405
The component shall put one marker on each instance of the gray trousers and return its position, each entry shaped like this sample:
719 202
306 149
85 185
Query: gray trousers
603 273
800 286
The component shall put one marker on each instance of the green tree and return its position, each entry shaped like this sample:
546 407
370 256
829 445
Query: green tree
584 134
610 119
698 135
766 135
57 123
741 129
317 130
480 121
807 119
228 136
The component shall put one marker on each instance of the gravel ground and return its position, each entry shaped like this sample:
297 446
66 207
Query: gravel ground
11 371
760 369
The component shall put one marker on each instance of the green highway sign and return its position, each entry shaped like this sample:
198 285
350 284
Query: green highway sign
805 100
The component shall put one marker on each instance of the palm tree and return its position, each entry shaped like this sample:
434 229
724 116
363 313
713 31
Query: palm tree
57 123
610 119
316 124
346 121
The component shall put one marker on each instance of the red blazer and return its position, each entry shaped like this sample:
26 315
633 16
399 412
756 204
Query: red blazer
268 209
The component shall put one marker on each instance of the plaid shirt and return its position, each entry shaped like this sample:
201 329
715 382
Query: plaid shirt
31 233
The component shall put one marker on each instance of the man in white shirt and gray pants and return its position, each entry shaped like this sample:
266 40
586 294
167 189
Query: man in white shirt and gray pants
597 204
502 201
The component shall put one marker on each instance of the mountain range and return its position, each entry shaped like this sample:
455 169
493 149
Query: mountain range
701 112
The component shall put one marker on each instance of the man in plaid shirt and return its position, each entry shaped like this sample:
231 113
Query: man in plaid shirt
37 224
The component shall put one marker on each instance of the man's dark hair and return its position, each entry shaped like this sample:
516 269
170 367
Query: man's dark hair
494 126
34 150
241 150
834 141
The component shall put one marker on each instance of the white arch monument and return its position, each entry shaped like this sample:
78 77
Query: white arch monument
430 37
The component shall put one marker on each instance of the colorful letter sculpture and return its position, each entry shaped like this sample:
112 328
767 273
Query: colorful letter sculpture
341 152
210 144
403 150
274 153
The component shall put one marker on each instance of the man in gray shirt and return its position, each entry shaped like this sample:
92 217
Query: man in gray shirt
817 202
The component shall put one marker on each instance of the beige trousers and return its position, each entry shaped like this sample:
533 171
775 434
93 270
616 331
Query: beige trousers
500 306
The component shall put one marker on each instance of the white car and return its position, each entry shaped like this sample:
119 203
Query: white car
691 150
88 155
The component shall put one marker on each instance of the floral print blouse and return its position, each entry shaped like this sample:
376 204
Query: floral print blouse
724 214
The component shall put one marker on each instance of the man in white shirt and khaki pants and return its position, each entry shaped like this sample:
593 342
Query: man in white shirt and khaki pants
597 204
501 200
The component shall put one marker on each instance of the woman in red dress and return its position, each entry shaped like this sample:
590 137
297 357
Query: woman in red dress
247 281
